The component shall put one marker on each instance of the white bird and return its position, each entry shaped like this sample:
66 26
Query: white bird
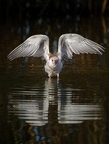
38 46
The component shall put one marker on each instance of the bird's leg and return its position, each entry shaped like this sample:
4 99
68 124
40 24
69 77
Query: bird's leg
49 76
58 76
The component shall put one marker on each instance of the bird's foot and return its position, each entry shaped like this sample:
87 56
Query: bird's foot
49 77
58 77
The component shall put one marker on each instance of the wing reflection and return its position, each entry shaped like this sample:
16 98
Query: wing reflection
29 104
75 107
78 113
32 104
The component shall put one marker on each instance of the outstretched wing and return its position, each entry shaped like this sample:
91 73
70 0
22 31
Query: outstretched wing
36 46
75 43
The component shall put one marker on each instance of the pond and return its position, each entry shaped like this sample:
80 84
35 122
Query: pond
38 110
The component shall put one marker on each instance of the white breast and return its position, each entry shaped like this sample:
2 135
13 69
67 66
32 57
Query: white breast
53 70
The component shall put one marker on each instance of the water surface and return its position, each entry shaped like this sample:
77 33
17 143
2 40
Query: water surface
35 109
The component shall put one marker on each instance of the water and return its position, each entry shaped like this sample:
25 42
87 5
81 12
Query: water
35 109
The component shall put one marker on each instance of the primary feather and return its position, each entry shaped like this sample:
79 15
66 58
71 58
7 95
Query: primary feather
74 43
36 46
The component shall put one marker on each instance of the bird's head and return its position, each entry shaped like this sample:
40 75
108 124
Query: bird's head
53 59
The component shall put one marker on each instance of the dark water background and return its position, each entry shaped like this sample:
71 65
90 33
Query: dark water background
36 110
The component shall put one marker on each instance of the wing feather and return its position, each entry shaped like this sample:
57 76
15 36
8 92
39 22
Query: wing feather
75 43
36 46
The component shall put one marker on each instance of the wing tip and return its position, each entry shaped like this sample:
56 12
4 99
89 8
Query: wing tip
10 58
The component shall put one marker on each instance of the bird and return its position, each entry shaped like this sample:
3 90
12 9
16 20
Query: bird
68 45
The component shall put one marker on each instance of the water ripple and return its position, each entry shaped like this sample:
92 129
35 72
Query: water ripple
32 104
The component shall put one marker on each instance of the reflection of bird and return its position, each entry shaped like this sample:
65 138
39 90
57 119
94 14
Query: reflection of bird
38 46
